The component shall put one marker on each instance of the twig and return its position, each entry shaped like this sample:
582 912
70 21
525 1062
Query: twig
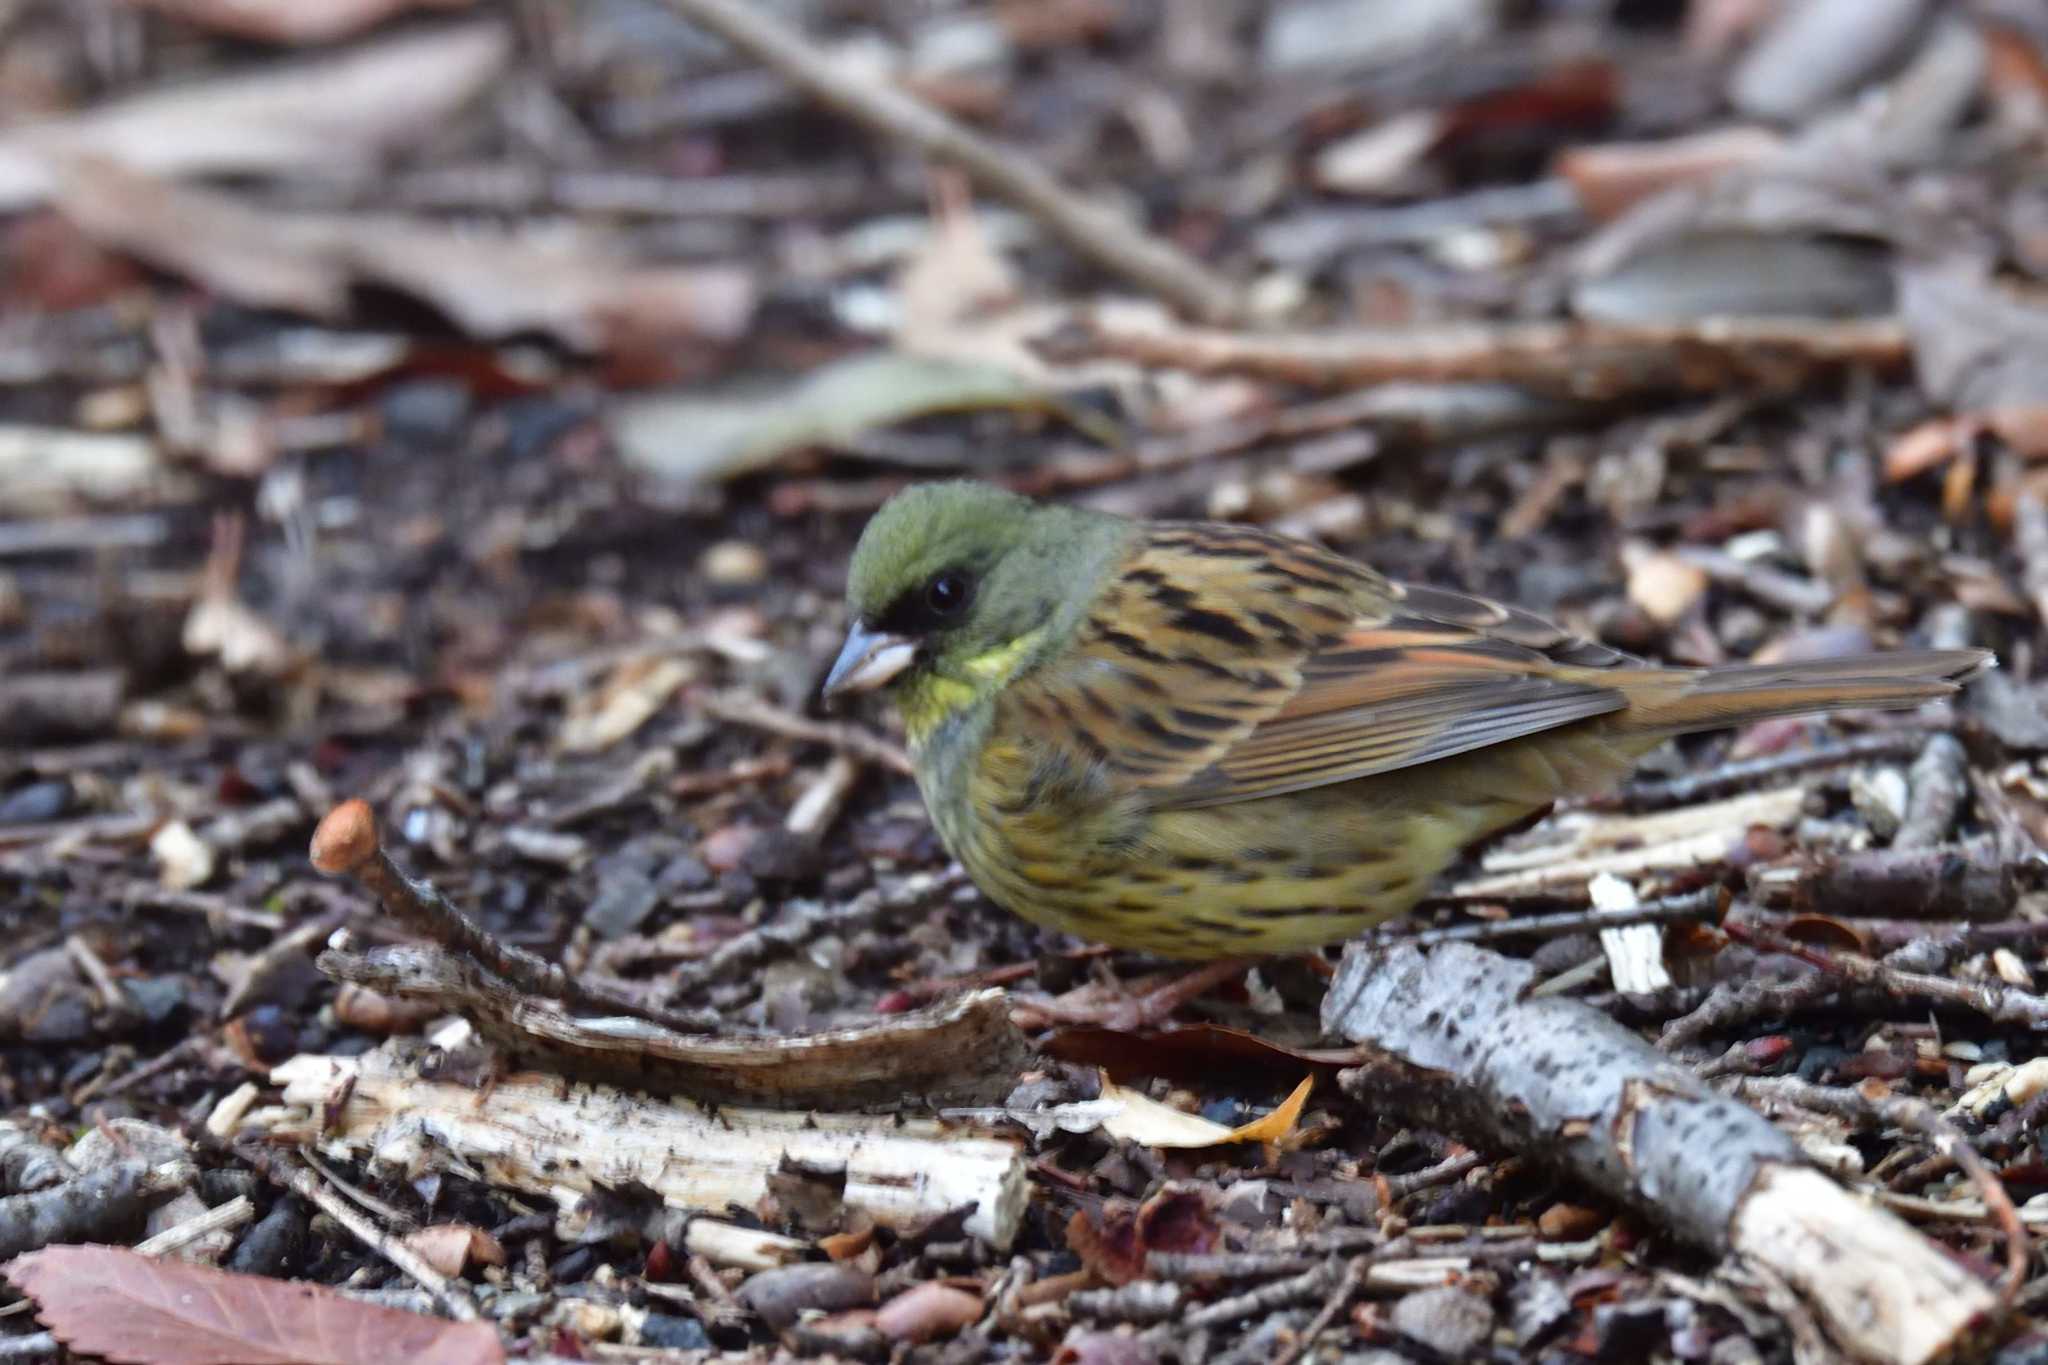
1267 1297
140 895
1871 1103
1994 1000
345 845
1586 360
1196 1266
798 922
297 945
221 1217
1347 1289
966 1048
1139 1301
60 535
113 999
823 799
1095 232
185 1049
88 1207
850 739
1683 791
1946 940
1787 592
1940 882
1706 904
454 1298
1399 1187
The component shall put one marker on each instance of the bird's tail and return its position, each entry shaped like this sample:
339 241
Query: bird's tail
1735 695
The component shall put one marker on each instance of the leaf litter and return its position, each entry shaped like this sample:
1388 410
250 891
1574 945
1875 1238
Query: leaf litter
472 414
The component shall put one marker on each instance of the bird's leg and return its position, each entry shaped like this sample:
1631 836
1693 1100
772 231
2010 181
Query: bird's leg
1130 1012
1157 1005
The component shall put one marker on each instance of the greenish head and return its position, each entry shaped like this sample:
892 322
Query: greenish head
964 583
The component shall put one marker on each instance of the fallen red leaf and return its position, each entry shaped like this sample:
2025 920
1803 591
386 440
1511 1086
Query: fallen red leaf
1116 1247
112 1302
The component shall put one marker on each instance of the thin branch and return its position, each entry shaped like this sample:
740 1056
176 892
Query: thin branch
1347 1289
454 1297
1737 1002
1655 794
1706 904
346 845
1584 360
1994 1000
850 739
1147 261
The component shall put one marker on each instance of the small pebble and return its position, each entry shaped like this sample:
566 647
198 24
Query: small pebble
782 1294
734 563
1452 1322
625 898
725 848
673 1333
1570 1222
2010 969
36 803
1879 795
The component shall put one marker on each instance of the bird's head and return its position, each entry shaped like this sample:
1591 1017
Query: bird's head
955 588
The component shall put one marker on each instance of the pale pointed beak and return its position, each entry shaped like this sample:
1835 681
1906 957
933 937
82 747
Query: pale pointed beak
868 660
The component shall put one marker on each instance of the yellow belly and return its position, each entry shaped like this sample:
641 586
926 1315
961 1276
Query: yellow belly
1279 874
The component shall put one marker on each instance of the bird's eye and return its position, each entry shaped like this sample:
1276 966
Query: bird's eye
947 594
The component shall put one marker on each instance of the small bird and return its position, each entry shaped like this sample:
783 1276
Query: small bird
1210 741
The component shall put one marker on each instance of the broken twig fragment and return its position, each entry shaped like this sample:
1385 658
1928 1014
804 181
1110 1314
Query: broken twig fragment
345 845
1936 882
1095 232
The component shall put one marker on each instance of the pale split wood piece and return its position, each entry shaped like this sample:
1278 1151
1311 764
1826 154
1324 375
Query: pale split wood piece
533 1133
1881 1290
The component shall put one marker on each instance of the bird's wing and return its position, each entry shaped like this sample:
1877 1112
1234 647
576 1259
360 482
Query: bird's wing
1223 664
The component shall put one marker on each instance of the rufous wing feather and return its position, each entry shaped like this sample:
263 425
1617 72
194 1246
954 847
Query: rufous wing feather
1224 664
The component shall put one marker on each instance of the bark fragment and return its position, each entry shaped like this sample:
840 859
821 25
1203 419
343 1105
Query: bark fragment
1556 1080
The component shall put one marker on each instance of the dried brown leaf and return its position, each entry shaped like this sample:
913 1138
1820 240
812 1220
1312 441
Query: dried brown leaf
627 700
1115 1248
345 107
926 1312
451 1247
1611 177
1927 446
290 21
113 1302
491 286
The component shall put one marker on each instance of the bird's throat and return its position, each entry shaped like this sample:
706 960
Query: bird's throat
951 687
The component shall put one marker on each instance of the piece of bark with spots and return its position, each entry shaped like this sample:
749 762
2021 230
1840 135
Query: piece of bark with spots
1552 1079
966 1050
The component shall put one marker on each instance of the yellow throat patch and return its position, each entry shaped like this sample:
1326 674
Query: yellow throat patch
933 698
